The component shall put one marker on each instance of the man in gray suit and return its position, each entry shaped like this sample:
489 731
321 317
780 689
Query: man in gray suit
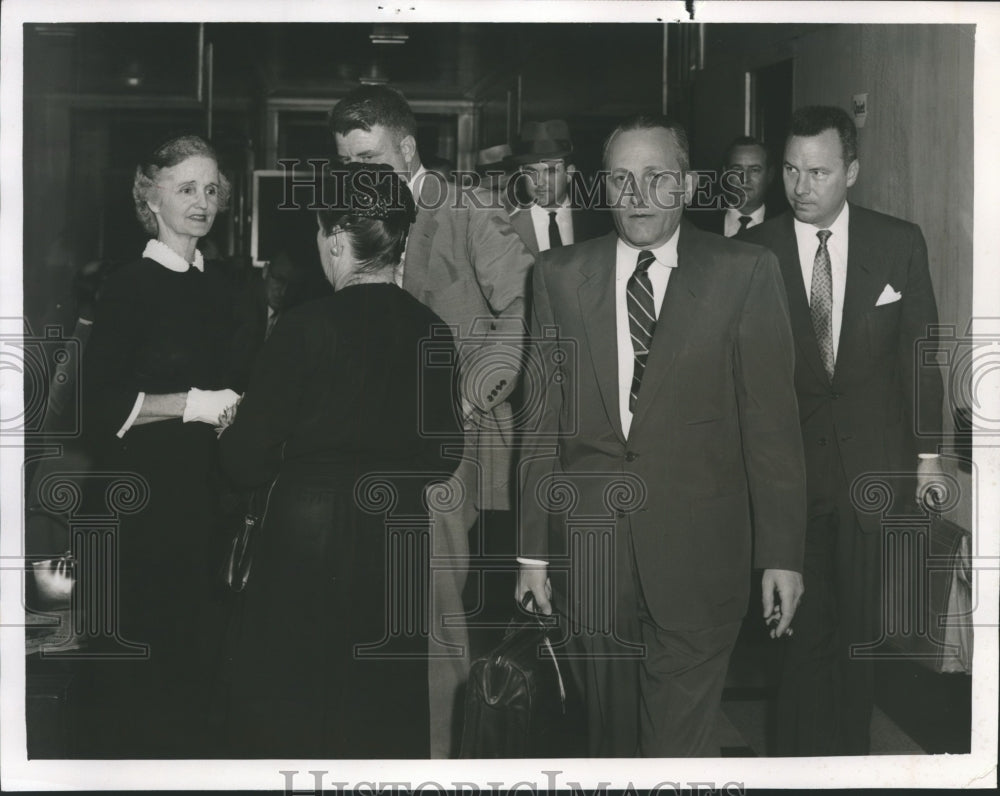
463 261
682 388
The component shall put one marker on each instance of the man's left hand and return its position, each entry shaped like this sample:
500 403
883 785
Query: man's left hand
778 613
931 486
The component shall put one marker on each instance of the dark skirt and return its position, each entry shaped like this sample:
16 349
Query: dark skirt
158 594
329 641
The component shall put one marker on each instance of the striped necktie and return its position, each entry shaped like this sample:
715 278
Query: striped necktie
641 319
821 302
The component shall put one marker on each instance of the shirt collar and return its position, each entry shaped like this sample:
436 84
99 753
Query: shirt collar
756 216
665 253
559 208
838 229
158 251
414 183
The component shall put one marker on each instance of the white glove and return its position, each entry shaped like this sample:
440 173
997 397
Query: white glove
54 580
207 406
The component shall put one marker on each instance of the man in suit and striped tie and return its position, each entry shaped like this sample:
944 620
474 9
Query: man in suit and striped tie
667 361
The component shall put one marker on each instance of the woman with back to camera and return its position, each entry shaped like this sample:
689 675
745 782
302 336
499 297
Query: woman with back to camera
340 414
156 381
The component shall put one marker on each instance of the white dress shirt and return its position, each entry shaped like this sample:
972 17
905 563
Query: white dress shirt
540 221
159 252
415 182
836 244
731 223
659 275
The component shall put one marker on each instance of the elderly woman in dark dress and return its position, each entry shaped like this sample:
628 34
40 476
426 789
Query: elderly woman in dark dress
155 379
347 422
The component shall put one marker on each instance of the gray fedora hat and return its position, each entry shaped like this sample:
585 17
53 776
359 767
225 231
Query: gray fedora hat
538 141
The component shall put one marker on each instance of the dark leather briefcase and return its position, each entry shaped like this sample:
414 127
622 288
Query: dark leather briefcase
929 597
516 699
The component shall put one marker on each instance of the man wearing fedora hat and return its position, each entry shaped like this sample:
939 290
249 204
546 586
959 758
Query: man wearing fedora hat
546 217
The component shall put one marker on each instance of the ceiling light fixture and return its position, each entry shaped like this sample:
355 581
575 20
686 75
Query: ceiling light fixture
388 34
374 75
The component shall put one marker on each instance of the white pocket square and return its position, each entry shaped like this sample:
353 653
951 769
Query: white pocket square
888 296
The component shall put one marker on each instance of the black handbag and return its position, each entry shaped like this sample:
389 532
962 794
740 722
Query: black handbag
239 560
516 699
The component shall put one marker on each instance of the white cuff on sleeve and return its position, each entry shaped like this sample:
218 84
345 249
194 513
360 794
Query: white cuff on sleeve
136 408
532 562
929 455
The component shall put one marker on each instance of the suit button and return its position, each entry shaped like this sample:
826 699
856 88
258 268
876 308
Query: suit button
631 456
822 441
835 395
503 382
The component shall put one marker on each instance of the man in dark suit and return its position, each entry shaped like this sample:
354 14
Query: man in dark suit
667 360
463 261
860 297
549 217
261 300
745 182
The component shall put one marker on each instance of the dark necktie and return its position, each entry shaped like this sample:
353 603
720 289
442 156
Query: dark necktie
821 302
744 223
270 325
641 319
555 239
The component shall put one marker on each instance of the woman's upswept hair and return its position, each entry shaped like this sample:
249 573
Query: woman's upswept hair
170 153
374 206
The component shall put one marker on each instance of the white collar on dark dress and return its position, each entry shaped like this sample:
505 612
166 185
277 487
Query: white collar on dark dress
158 251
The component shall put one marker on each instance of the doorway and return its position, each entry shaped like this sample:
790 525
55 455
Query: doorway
769 111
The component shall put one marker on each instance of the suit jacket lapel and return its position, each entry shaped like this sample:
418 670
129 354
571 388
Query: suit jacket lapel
579 219
418 244
866 274
681 305
597 307
786 248
521 221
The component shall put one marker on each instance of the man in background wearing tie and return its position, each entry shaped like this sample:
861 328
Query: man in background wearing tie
262 299
748 175
860 297
463 261
682 386
549 218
